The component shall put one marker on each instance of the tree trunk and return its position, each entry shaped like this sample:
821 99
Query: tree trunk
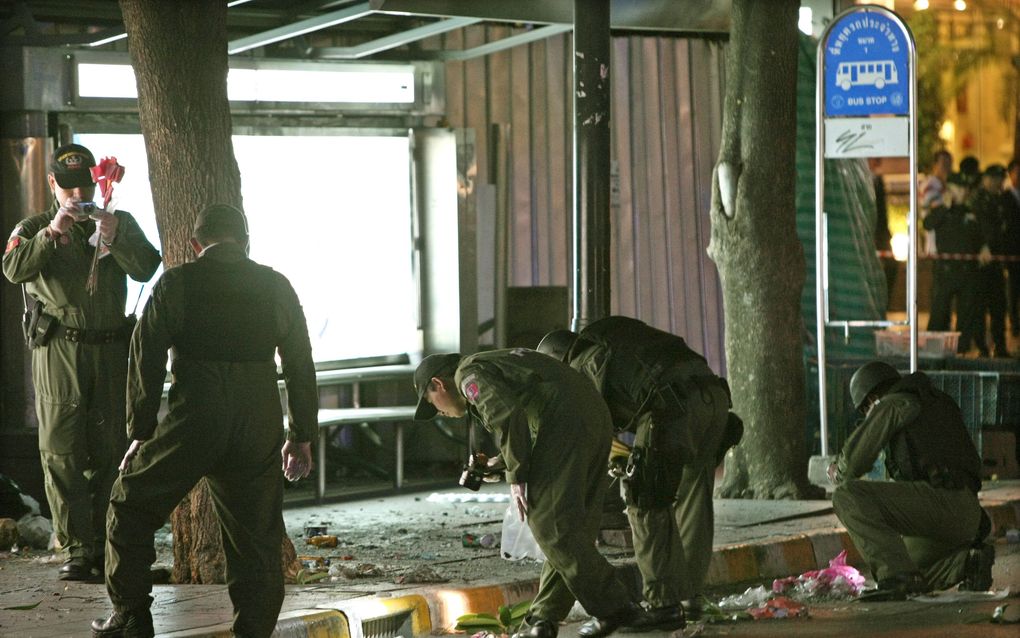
179 54
760 259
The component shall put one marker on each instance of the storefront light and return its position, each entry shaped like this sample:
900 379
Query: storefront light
379 85
899 246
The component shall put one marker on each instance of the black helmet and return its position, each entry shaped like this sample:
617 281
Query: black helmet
867 378
557 344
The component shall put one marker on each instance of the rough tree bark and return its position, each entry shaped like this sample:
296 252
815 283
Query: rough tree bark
755 247
179 54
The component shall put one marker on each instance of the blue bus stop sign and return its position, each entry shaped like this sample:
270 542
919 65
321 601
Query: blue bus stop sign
866 73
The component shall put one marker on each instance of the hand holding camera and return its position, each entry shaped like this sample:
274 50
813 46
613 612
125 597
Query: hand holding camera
70 212
480 468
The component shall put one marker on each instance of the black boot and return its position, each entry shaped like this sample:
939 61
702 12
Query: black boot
124 624
533 627
692 608
79 568
666 618
597 627
977 572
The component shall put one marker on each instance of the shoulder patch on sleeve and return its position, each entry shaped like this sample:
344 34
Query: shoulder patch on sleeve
12 243
469 388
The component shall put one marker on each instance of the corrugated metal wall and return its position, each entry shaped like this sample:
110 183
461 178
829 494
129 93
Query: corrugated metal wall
666 122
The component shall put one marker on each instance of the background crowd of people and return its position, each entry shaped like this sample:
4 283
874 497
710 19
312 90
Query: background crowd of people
973 219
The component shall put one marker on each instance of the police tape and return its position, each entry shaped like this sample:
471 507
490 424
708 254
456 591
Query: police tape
957 257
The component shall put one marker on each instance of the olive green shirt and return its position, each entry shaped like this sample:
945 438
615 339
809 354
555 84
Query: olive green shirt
507 391
55 270
891 414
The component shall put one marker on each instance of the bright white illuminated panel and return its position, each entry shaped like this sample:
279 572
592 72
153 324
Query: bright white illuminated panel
326 85
106 80
286 85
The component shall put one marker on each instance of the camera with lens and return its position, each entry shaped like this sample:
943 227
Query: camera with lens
473 473
85 209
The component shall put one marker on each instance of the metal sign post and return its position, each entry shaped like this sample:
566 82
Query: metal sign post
866 100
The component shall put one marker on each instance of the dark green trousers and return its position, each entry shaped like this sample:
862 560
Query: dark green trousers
900 527
79 401
228 429
673 543
566 489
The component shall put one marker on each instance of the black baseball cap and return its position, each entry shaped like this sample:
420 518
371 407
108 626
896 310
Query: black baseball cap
434 365
70 166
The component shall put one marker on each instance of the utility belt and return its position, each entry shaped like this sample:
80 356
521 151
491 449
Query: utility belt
43 328
91 337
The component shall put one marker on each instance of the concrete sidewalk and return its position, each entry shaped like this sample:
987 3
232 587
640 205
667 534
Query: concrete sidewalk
756 541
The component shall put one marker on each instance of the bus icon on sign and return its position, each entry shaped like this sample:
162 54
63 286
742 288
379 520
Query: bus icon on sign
876 73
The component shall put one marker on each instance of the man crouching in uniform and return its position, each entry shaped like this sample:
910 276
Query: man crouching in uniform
553 431
925 529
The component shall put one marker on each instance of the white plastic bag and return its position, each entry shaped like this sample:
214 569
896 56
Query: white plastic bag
517 541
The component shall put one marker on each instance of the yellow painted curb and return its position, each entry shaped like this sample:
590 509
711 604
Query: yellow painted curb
446 605
732 564
785 557
299 623
312 623
379 616
827 545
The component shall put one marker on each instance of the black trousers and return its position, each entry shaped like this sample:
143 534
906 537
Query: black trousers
954 281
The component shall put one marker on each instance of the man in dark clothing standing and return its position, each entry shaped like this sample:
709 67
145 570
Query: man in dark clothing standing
925 529
957 232
553 431
225 317
988 204
666 395
79 346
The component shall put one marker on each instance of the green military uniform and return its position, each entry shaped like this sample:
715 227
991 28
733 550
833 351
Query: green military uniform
79 374
928 517
225 317
553 432
666 394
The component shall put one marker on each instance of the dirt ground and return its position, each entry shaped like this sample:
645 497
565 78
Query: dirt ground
397 540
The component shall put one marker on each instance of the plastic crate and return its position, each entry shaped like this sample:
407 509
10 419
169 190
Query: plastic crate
930 345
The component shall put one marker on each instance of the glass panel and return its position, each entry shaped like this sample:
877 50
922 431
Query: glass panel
332 213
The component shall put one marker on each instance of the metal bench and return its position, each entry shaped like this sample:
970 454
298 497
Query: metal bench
330 417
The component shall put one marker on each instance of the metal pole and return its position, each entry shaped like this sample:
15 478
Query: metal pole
821 295
591 162
912 220
499 168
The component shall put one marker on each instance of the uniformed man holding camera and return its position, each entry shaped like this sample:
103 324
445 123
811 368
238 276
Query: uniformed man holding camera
79 342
